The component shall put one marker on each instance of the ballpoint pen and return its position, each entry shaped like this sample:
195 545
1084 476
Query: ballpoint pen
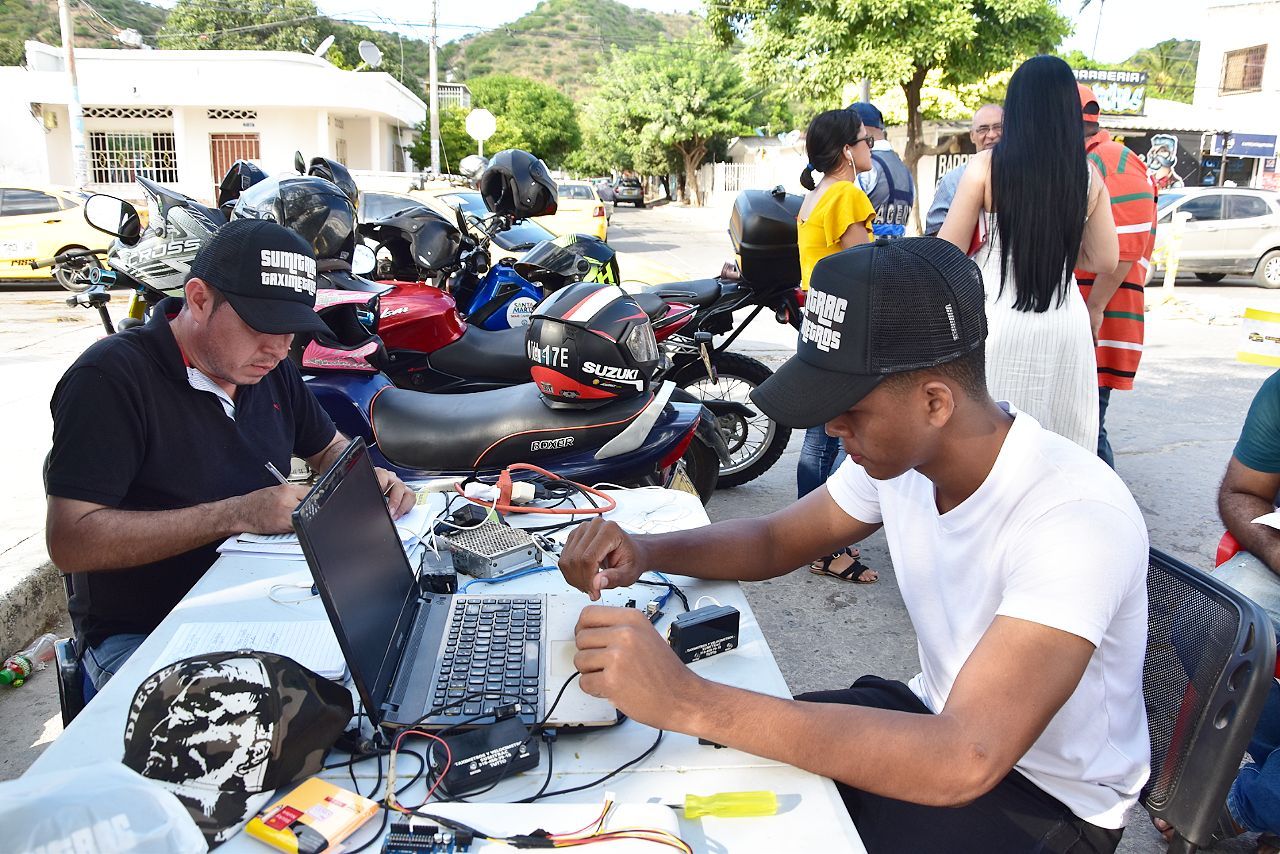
275 472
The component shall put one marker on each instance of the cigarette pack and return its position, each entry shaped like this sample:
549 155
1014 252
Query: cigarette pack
314 817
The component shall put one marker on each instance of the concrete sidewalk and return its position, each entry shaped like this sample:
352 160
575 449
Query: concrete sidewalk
39 337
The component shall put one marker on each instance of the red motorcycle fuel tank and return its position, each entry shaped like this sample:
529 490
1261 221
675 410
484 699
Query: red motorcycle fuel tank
418 316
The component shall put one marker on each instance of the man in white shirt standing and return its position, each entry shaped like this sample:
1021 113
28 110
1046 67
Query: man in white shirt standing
985 129
1021 559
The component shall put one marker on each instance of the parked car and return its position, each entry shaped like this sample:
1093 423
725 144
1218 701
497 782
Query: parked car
379 205
446 199
39 222
628 190
1233 231
579 210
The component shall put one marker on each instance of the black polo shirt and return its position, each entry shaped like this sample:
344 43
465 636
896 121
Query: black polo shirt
130 432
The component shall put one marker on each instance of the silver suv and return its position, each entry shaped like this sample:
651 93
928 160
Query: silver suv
628 190
1232 231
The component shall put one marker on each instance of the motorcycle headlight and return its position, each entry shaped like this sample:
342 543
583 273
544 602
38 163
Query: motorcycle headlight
641 343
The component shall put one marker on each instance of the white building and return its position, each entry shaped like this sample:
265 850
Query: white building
1238 80
182 117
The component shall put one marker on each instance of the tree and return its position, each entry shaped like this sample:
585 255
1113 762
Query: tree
455 142
530 115
671 99
253 25
816 47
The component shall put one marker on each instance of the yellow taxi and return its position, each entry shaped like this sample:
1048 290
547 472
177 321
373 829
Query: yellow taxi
38 223
579 210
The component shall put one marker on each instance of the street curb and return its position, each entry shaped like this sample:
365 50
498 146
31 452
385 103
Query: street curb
31 594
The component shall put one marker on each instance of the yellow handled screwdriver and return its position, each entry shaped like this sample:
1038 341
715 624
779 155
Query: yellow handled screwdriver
730 805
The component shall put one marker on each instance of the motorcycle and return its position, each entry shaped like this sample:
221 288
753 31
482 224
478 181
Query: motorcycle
687 316
642 440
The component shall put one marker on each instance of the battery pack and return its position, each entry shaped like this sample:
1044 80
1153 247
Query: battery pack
704 632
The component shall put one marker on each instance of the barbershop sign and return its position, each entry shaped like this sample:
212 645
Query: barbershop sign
1120 93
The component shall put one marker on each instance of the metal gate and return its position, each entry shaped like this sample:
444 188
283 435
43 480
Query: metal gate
227 148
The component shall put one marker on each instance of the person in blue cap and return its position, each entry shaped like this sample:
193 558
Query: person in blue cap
889 184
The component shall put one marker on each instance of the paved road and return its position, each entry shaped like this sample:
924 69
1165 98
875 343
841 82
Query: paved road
1173 435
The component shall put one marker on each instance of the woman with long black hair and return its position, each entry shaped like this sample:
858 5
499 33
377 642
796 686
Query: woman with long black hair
1039 210
835 215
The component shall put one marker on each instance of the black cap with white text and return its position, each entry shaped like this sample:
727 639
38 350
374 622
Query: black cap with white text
266 272
883 308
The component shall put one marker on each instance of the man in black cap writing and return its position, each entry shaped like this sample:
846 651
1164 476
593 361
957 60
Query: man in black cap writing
165 436
1021 559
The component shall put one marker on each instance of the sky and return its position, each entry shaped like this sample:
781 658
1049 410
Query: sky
1127 25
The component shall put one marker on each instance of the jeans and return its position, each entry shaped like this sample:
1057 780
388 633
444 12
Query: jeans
1254 799
1013 818
1250 576
103 660
1104 445
819 456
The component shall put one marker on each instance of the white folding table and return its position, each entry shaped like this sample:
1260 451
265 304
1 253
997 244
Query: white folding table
811 817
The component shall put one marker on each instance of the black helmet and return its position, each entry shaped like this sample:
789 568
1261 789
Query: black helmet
570 258
332 170
314 208
590 344
518 184
416 237
241 176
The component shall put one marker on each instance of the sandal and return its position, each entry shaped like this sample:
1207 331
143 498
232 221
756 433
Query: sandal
852 573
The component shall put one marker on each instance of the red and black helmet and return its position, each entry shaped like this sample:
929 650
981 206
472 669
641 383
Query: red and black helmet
590 344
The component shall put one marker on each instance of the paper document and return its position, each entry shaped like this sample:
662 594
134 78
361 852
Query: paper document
1269 519
311 643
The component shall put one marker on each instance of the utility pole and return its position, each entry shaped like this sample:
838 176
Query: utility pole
79 159
866 90
434 96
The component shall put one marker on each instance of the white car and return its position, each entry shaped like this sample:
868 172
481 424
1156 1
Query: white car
1232 231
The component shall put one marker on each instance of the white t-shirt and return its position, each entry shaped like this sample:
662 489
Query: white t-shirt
1051 536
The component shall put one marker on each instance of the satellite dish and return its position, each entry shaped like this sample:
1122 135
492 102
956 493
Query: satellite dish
370 55
324 46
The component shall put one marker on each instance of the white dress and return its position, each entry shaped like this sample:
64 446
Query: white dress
1041 362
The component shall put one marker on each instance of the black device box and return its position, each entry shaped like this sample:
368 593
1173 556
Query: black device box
763 230
487 753
704 632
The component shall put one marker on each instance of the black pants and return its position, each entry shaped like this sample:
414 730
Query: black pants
1014 817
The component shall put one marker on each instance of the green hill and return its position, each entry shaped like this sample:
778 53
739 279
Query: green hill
38 19
562 42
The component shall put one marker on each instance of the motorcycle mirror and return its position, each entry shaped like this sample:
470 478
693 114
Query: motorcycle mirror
113 216
461 216
299 164
363 260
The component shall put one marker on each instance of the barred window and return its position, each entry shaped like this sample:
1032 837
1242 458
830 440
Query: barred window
120 157
1242 70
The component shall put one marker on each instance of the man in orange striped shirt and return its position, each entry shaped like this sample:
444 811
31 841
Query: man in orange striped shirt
1115 299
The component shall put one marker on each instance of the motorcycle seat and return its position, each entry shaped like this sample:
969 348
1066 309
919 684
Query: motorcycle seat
482 354
699 292
489 429
651 304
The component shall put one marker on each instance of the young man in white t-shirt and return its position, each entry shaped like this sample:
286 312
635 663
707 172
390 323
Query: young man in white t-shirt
1021 558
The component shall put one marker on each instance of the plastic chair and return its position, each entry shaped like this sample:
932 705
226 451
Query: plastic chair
70 679
1210 658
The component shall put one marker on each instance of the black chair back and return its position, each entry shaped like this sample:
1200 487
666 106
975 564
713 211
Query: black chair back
1210 661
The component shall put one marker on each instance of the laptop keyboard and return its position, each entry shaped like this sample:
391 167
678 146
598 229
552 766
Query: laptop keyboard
493 647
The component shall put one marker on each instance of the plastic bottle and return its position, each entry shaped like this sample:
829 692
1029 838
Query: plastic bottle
35 657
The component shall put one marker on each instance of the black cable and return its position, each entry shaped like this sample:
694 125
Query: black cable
615 772
684 600
377 837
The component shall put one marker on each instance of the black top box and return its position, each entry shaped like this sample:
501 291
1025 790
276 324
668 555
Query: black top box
763 230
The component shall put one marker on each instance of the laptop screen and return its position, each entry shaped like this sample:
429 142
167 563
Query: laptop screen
360 569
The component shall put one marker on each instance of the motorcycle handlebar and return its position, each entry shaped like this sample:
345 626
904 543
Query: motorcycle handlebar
64 257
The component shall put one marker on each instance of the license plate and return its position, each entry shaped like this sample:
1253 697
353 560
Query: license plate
680 480
17 248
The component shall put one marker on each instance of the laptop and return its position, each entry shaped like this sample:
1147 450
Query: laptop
412 652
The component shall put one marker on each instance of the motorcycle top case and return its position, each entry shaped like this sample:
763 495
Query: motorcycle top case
763 229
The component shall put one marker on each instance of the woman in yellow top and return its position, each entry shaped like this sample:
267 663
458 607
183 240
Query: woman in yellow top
836 214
